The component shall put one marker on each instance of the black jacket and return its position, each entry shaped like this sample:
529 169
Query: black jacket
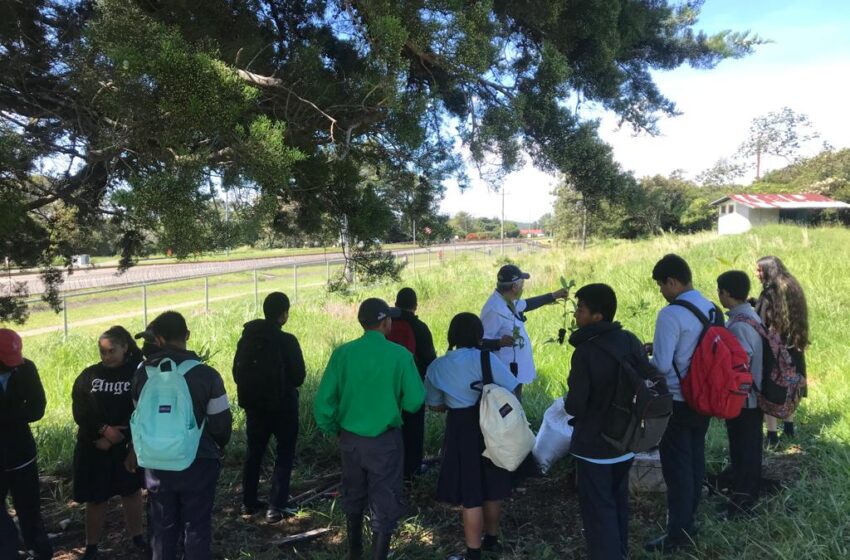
21 403
294 370
101 396
425 352
592 382
209 399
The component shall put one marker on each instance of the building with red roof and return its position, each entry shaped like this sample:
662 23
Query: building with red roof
740 212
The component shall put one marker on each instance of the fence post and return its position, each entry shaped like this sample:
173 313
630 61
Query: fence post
414 258
295 282
65 316
256 291
429 258
327 269
206 294
145 304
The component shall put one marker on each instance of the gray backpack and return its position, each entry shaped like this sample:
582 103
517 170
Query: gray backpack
641 407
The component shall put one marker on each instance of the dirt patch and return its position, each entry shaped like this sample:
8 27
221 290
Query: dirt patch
541 520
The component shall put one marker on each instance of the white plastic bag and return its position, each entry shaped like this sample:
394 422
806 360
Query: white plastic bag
553 439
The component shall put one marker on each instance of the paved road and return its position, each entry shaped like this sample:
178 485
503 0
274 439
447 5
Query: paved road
107 277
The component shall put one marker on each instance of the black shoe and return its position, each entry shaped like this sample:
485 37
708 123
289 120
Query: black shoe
665 544
381 545
772 440
354 534
140 543
274 515
490 543
788 429
254 508
90 553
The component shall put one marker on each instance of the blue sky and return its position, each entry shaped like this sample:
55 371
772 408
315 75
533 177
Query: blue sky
806 67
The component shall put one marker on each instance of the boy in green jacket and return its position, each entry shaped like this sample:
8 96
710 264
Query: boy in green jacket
366 385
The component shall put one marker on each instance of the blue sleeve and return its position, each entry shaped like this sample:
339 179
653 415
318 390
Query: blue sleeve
433 395
664 342
501 374
742 333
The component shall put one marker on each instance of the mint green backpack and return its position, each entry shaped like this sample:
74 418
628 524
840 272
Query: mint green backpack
165 432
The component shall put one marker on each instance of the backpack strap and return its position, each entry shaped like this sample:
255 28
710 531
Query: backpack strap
486 368
186 365
619 356
698 312
756 325
705 321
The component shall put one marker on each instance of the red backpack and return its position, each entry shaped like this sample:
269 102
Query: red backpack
719 377
402 333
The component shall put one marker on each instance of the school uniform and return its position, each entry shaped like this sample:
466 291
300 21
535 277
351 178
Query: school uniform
745 431
682 448
22 401
181 502
603 471
102 397
366 385
466 477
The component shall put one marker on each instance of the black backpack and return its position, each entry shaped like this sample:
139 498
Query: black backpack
258 370
640 408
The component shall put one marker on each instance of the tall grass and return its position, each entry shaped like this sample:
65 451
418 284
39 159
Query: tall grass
809 520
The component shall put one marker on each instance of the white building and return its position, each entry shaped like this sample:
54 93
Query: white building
740 212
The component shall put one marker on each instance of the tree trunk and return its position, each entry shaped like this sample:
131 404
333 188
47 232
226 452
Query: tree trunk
345 238
583 224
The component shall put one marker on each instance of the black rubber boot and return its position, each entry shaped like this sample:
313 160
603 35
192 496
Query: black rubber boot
381 545
354 533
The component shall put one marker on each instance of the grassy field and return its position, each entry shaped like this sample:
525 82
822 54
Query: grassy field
808 519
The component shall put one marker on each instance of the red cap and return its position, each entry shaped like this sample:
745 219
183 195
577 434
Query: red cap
10 348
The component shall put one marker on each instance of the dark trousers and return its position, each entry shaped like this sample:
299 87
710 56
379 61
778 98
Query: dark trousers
745 451
372 475
22 484
683 466
260 426
603 496
182 503
413 434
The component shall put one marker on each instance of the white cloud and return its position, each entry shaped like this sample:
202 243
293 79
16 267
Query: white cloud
528 195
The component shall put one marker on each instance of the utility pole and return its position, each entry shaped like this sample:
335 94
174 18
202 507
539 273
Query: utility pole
503 218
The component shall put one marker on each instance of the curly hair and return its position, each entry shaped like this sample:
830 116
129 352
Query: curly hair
782 303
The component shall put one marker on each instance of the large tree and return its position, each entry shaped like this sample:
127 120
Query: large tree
339 111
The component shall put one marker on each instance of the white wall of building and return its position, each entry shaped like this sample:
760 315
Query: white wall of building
737 218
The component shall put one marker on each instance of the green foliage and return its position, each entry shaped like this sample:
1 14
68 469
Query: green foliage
143 106
650 206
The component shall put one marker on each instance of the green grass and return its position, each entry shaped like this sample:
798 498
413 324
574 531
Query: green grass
811 519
